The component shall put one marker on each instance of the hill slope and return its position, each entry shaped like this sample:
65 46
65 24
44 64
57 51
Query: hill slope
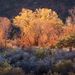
11 8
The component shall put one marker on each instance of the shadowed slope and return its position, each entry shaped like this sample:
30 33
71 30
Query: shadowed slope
11 8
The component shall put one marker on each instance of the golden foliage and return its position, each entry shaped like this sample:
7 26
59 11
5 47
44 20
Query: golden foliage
39 28
4 26
67 39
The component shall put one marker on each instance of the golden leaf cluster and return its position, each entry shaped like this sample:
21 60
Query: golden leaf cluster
39 28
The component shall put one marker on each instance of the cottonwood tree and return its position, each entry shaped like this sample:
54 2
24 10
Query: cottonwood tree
39 28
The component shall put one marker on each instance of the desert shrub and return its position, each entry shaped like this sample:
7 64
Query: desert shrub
71 73
67 38
55 73
10 70
7 69
4 68
63 66
39 28
40 53
15 71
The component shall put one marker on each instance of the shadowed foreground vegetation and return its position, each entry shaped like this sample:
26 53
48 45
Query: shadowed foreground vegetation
38 61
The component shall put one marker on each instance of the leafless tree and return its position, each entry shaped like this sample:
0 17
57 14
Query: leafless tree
72 14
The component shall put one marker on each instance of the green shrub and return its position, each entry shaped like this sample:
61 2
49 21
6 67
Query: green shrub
63 65
40 53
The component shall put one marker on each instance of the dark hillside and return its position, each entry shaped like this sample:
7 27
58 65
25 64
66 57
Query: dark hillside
11 8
